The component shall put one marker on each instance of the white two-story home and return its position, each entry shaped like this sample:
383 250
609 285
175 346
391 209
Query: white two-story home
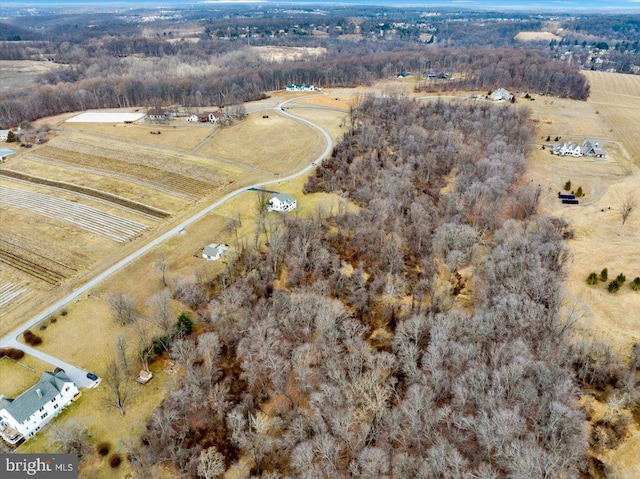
22 417
566 149
281 202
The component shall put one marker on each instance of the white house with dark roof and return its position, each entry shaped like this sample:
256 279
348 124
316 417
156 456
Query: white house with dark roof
22 417
214 251
592 147
281 202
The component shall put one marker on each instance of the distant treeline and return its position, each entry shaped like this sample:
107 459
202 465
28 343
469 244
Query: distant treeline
484 70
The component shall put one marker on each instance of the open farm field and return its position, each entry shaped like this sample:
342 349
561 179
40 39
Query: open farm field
335 122
177 134
275 144
616 97
129 168
22 73
600 241
328 101
537 37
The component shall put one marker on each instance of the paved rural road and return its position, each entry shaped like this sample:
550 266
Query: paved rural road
79 375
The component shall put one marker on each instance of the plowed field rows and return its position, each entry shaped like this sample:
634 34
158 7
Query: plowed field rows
173 160
139 208
86 217
37 264
165 179
10 291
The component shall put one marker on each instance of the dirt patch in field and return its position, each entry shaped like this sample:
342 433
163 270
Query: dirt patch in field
275 54
537 36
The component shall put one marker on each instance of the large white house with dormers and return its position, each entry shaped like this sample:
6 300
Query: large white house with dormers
21 418
281 202
590 147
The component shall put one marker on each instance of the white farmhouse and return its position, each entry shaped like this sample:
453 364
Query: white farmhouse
22 417
590 147
213 251
281 202
566 149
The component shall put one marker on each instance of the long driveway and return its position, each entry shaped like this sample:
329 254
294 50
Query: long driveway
77 374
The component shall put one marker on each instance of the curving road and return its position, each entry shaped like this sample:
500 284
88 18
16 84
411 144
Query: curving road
77 374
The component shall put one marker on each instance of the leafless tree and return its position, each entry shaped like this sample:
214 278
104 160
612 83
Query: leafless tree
123 308
162 315
161 265
121 352
69 438
117 393
232 227
628 205
211 464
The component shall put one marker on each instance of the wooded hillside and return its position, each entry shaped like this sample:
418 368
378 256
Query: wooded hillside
419 337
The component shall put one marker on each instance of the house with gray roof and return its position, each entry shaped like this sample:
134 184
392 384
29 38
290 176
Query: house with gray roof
592 147
281 202
214 251
566 149
21 418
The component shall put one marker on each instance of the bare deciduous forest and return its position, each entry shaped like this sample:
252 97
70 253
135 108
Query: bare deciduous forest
350 347
421 332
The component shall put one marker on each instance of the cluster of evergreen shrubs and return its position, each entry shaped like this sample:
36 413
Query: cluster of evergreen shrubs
578 193
614 285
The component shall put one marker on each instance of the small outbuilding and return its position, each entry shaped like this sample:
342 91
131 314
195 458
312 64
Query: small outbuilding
144 376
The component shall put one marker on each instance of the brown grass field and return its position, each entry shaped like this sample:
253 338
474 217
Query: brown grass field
176 134
276 144
612 113
537 36
22 73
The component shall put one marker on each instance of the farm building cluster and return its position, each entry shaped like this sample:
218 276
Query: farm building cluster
590 147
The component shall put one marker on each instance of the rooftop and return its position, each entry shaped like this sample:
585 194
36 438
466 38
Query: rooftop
49 386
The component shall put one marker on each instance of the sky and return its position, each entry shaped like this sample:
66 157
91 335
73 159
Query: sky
542 6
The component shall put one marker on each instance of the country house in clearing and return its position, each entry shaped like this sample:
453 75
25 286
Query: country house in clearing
214 251
22 417
281 202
